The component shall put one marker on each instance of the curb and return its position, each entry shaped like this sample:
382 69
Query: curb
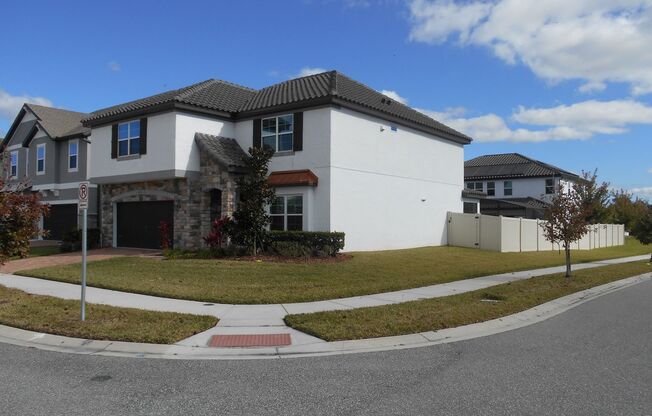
20 337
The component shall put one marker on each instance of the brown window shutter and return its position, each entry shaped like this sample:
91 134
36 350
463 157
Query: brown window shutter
143 136
114 141
257 140
298 132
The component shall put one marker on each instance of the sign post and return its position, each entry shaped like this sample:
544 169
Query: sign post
83 206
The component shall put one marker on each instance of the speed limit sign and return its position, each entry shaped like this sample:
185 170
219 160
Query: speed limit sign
83 195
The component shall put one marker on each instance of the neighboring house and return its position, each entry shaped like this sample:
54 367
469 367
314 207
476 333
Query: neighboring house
348 158
515 185
48 149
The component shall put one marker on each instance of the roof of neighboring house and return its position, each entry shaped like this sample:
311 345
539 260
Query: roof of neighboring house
511 166
527 202
234 101
211 94
57 122
303 177
223 150
472 193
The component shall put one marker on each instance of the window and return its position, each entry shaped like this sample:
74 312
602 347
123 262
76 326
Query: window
507 188
40 159
477 186
550 186
13 172
287 213
277 133
129 138
491 188
470 208
73 150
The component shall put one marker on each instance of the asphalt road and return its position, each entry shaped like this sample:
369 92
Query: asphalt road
595 359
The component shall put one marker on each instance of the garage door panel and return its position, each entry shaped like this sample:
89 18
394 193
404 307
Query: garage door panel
138 223
62 219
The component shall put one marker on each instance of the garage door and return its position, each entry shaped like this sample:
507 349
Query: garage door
62 218
138 223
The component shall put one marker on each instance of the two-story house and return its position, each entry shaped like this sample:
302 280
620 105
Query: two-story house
347 158
48 149
515 185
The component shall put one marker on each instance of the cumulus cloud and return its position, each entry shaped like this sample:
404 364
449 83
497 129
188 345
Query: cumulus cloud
650 170
114 66
307 71
645 191
394 96
596 41
579 121
10 105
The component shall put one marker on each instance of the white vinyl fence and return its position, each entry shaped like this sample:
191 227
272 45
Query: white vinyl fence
507 234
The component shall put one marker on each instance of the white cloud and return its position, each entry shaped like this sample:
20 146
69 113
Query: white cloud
650 170
644 191
579 121
596 41
10 105
114 66
307 71
394 96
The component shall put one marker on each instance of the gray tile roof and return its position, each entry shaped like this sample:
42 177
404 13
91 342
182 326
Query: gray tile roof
320 88
472 193
226 151
211 94
510 165
58 122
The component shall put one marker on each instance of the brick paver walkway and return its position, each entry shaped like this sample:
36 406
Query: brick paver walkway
14 266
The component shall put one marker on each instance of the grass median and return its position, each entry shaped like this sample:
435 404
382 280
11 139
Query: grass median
61 317
452 311
250 282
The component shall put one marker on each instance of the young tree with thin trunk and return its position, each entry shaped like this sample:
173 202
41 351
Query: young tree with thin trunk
566 221
20 212
643 229
251 218
595 196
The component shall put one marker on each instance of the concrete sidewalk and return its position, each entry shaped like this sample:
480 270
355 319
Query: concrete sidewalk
265 319
184 350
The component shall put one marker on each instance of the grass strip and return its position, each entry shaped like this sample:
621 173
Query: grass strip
452 311
246 282
61 317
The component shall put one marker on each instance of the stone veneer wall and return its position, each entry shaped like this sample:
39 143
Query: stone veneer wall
191 198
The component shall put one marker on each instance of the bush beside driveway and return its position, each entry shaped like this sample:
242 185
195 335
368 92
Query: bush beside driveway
250 282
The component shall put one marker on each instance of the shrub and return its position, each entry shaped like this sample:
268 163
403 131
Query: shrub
220 229
289 249
315 243
72 240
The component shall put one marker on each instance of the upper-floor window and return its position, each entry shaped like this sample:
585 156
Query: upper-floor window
491 188
129 138
13 171
40 159
73 155
277 133
550 186
287 213
477 186
507 188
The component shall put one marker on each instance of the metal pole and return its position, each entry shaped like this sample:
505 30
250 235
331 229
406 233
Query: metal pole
83 285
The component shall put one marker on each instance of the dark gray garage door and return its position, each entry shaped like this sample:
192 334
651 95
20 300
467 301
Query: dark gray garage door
138 223
62 218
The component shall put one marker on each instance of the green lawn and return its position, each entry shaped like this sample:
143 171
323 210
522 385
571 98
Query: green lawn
41 251
61 317
265 282
457 310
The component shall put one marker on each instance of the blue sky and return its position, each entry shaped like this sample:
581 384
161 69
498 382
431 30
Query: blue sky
569 83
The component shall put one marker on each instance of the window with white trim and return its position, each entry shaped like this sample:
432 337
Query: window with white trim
73 155
550 186
13 170
287 213
474 186
491 188
129 138
507 188
277 133
40 159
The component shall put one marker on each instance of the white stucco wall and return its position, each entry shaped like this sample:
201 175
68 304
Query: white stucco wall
186 150
391 189
160 155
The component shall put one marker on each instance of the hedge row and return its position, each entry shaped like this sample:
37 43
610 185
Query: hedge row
304 243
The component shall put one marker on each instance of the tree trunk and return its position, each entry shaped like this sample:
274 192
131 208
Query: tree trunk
568 262
650 257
